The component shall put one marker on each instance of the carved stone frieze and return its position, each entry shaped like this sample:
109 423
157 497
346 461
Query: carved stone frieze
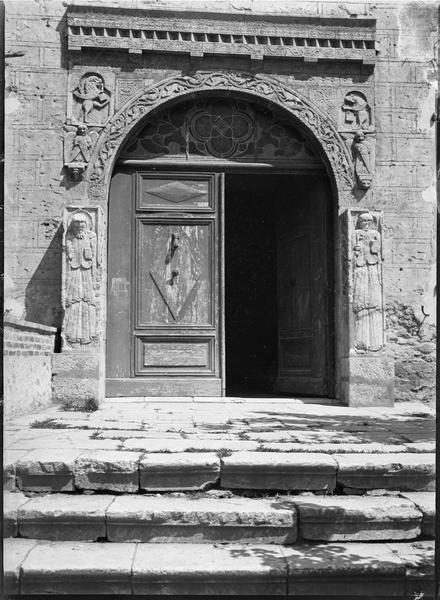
364 277
257 86
198 34
81 276
127 88
325 98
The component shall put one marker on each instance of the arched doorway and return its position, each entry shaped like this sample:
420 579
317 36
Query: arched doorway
220 256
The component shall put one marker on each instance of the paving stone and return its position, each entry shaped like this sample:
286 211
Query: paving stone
46 471
188 445
407 472
179 471
85 443
231 569
121 434
344 570
14 553
60 517
77 568
332 448
357 518
281 471
425 502
11 502
107 470
199 520
418 558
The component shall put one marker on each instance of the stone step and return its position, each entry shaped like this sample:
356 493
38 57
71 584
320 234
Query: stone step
296 471
43 470
164 518
341 570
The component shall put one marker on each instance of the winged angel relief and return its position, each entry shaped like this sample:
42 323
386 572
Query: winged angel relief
78 145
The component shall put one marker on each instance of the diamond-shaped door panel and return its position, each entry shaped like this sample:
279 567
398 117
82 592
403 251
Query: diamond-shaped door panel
174 280
163 193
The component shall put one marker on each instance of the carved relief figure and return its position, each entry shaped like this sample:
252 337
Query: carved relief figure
80 325
93 97
78 146
362 160
82 144
367 286
357 111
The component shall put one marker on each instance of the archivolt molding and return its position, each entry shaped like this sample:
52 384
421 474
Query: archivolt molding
260 86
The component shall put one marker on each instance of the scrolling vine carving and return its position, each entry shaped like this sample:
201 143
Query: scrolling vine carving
257 85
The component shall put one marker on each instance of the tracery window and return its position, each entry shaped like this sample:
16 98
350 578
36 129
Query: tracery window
220 128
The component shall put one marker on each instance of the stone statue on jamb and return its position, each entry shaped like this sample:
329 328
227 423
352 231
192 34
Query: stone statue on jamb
367 286
80 320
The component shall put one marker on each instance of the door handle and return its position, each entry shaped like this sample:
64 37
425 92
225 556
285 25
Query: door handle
174 276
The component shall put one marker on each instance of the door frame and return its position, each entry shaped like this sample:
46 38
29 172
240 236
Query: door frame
223 168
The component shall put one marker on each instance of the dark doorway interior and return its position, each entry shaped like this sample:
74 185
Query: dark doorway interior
251 282
278 284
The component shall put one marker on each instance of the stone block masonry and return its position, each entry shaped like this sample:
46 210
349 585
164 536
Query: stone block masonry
398 82
28 350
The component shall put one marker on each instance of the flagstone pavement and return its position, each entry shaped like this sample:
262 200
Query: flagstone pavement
220 425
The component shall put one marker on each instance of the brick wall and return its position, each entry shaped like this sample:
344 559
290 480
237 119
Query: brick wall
28 350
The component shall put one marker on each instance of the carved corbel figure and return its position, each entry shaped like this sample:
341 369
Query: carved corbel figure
361 151
78 146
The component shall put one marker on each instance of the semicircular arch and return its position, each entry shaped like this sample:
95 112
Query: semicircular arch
309 116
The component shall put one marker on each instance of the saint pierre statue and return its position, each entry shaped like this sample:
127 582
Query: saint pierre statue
367 286
80 305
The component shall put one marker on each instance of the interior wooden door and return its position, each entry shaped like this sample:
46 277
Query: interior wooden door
304 259
163 285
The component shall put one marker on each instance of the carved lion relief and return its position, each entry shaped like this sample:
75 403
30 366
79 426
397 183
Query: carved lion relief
356 112
91 100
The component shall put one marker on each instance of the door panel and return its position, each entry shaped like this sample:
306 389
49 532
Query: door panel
175 355
171 308
303 294
174 280
190 192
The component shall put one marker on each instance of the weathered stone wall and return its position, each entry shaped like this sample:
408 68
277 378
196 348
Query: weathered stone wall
405 188
28 351
400 88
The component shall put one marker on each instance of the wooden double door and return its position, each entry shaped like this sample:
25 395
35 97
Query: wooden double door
177 242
